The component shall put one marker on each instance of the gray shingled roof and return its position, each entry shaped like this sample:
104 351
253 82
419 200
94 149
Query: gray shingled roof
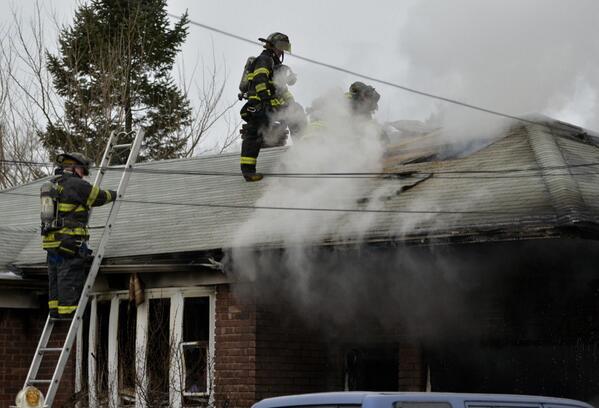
533 201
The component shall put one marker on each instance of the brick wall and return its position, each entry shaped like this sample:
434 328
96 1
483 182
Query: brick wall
290 357
412 370
19 333
235 349
261 354
265 350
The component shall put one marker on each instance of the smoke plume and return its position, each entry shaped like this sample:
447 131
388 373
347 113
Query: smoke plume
509 56
516 57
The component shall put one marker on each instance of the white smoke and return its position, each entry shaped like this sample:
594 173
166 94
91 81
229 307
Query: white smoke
345 144
538 56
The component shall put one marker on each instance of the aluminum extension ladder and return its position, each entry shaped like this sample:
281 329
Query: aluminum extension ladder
42 347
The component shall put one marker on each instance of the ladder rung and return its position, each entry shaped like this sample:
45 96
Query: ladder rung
61 319
39 382
122 146
51 350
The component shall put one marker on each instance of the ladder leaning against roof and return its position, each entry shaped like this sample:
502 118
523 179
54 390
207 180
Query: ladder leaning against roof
42 347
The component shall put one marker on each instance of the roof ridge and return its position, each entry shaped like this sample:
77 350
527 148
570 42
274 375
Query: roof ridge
563 190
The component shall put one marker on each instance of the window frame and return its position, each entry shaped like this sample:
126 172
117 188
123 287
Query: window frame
177 299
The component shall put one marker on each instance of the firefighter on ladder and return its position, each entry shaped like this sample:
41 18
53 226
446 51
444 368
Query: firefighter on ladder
270 107
64 229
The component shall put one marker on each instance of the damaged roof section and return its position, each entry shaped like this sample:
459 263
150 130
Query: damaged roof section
521 185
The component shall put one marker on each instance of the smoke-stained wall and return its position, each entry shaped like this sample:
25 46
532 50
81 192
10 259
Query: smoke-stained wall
496 317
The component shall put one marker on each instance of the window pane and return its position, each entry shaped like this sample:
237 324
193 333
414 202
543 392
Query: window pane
196 319
195 367
503 405
421 404
324 406
196 332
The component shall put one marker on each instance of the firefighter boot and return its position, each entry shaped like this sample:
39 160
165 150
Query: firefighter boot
252 176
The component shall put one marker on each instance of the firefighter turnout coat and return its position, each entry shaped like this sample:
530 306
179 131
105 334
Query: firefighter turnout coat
76 197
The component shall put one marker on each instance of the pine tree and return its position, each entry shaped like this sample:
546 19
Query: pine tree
113 71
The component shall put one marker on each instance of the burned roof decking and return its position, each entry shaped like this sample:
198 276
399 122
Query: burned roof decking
512 201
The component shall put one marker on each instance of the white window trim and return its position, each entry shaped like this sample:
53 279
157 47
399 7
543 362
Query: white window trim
79 362
176 364
141 348
177 297
113 353
91 353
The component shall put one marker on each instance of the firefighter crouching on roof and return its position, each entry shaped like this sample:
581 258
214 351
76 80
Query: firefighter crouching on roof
264 85
363 103
64 233
354 108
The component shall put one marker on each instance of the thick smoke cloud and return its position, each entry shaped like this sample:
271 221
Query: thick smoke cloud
346 144
515 57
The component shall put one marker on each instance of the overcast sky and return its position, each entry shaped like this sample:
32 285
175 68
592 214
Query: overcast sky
515 56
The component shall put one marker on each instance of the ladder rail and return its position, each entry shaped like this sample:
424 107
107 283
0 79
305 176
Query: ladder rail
75 323
37 357
105 158
93 272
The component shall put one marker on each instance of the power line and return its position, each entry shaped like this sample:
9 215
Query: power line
302 209
373 79
482 174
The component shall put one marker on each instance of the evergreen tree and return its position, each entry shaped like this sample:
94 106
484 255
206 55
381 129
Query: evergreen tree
113 70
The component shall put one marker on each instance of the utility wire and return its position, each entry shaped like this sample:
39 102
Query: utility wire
283 208
481 174
373 79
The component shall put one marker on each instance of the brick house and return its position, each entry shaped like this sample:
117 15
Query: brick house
489 285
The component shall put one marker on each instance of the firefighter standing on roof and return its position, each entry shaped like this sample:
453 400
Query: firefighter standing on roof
264 102
65 233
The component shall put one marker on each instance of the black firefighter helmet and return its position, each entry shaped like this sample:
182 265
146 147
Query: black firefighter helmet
364 97
277 40
74 159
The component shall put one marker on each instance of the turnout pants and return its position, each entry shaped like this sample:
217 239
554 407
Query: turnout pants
261 130
251 135
257 135
66 277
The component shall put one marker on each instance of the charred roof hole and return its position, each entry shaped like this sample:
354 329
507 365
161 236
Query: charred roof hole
412 180
421 159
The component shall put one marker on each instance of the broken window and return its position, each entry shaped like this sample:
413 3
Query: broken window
83 353
136 350
194 347
102 350
126 352
371 367
159 353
